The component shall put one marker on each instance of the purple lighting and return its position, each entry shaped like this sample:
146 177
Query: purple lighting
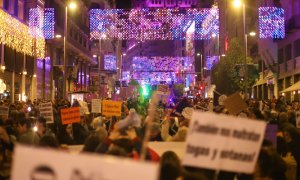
153 24
211 61
41 22
155 70
110 62
271 22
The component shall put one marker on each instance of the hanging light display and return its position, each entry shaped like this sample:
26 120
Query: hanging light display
211 61
153 24
155 70
271 22
110 62
41 22
16 35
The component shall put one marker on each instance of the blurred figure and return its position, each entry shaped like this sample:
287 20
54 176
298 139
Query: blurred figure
26 133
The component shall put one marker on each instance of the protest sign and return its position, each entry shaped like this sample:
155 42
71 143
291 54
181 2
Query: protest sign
96 105
223 142
84 109
162 89
33 163
4 112
46 111
70 115
235 104
111 108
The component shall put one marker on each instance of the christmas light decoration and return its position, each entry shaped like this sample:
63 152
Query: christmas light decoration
110 62
154 24
211 61
271 22
155 70
41 22
16 35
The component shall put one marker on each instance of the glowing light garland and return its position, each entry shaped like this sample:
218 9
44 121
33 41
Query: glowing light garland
110 62
41 22
16 35
154 24
211 61
154 70
271 22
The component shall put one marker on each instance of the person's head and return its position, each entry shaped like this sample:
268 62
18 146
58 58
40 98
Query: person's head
69 129
91 143
291 133
170 166
23 125
41 123
155 130
124 143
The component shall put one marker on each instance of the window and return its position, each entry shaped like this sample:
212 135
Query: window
21 10
280 56
297 48
288 52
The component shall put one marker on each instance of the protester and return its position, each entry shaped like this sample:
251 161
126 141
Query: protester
26 133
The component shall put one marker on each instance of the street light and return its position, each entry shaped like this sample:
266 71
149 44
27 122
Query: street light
71 5
201 70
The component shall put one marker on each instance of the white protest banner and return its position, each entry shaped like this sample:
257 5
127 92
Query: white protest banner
4 112
223 142
30 163
46 111
96 105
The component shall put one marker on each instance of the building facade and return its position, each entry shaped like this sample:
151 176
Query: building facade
280 58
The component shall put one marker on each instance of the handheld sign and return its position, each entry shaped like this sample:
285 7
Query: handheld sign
4 112
235 104
70 115
111 108
46 111
96 105
223 142
162 89
33 163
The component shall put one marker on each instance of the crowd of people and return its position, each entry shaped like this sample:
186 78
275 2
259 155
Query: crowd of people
124 136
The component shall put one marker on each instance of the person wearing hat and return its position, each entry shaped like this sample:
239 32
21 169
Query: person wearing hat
183 126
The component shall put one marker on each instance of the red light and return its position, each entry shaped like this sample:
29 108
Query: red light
201 87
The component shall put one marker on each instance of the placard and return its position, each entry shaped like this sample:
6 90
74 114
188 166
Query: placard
46 111
111 108
4 112
96 105
162 89
33 163
70 115
223 142
235 104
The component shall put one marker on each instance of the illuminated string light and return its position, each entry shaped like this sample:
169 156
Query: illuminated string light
211 61
271 22
154 70
16 35
41 22
154 24
110 62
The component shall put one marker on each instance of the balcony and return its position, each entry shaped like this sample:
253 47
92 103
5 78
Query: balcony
282 68
290 65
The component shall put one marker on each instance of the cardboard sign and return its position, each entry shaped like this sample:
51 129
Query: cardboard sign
4 112
70 115
223 142
96 105
46 111
111 108
162 89
235 104
33 163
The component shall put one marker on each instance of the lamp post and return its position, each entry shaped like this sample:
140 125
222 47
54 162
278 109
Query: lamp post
121 65
71 5
201 63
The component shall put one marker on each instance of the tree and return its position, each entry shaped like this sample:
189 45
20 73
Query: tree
228 75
